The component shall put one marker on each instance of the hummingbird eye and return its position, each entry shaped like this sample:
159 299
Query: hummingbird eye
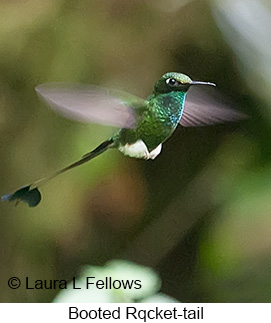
172 82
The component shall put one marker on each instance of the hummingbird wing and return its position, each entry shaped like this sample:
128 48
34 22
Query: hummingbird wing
202 109
91 104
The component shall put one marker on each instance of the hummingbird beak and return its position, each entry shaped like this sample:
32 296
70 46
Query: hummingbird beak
201 83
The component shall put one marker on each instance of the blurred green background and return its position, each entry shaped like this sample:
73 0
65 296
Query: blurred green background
200 214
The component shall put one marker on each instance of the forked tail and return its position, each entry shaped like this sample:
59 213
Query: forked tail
31 195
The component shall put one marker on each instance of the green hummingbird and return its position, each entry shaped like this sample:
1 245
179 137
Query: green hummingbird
144 124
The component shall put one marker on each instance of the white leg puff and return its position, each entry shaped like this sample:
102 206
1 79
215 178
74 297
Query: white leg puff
140 150
136 150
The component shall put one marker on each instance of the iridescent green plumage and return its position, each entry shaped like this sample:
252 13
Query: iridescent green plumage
160 116
145 124
156 122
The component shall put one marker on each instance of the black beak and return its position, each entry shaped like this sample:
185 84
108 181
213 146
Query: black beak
202 83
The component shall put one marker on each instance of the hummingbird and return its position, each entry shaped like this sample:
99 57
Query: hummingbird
145 124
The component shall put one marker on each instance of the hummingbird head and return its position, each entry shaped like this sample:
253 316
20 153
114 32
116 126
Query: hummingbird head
176 82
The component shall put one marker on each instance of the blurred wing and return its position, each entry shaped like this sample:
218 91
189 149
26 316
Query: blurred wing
201 109
91 104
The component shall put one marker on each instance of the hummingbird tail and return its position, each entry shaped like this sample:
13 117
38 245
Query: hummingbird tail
87 157
31 195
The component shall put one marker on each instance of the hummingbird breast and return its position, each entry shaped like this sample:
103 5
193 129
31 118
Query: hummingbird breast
157 122
161 118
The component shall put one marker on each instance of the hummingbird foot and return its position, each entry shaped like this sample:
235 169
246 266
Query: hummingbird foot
155 152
